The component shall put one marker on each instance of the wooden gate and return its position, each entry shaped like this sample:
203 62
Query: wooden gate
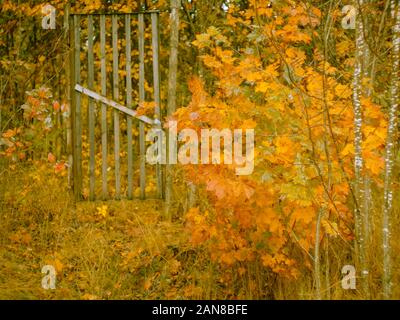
105 90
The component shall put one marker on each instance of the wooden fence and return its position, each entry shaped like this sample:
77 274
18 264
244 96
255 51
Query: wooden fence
94 91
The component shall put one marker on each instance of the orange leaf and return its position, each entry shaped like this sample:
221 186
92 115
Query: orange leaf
51 157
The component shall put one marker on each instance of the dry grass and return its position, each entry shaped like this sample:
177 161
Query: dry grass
132 252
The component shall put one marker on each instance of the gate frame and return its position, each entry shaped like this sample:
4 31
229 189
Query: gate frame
75 90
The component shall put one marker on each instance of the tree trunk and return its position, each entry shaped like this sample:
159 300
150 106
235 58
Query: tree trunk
67 10
366 216
359 212
389 152
171 106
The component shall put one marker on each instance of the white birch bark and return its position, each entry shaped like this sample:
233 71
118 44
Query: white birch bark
389 152
365 215
359 211
366 70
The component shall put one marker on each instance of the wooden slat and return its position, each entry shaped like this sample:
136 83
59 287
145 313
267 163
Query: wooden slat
120 14
116 113
69 91
77 120
75 94
116 105
103 106
91 110
129 103
156 83
141 100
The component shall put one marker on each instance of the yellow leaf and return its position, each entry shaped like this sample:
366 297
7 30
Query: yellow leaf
262 87
330 228
103 211
348 149
249 124
58 265
147 284
212 31
88 296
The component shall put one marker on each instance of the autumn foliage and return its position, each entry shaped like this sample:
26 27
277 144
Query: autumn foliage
279 83
283 68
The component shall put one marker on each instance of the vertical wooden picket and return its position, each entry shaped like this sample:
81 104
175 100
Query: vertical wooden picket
69 65
116 112
129 102
103 71
156 84
91 110
74 72
141 100
77 162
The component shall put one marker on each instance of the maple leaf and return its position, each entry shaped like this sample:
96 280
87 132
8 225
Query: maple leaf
51 158
348 149
102 211
262 87
248 191
331 228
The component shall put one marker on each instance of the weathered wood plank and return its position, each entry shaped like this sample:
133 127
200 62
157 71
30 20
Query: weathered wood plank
116 105
104 149
91 111
129 102
110 13
141 100
116 113
69 89
77 106
171 104
156 84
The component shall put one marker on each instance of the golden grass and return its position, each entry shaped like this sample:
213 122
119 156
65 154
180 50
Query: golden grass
130 252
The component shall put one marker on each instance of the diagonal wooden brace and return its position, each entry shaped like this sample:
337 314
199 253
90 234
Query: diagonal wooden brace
116 105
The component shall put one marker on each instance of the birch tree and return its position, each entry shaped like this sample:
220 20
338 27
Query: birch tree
389 152
360 214
365 215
